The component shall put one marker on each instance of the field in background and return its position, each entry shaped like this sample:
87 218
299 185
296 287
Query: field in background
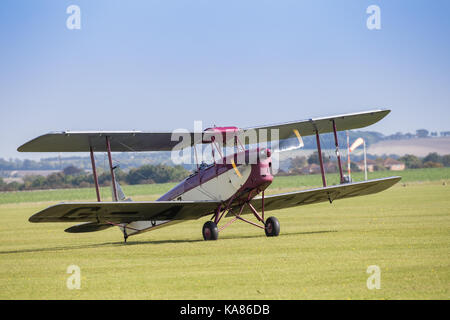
419 146
323 250
152 191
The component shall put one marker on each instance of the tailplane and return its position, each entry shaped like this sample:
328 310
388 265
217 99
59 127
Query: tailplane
120 194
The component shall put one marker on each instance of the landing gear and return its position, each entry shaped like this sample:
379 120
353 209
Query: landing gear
210 231
125 235
272 227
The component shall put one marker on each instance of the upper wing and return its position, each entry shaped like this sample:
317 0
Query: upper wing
342 191
325 124
82 141
125 212
122 141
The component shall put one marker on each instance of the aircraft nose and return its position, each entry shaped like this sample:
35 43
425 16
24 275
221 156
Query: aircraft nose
265 167
264 153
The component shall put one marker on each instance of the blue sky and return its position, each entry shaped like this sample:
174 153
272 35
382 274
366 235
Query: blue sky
160 65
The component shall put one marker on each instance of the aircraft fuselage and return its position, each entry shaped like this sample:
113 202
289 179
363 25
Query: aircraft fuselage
224 181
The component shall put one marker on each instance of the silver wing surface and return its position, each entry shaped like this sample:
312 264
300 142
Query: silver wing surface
121 141
125 212
100 215
324 124
126 141
331 193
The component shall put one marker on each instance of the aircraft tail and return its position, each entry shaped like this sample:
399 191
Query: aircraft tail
120 194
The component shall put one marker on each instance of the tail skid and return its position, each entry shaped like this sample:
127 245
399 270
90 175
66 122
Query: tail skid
135 227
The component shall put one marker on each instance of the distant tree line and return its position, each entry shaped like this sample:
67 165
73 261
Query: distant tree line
16 164
73 177
126 159
299 163
432 160
133 160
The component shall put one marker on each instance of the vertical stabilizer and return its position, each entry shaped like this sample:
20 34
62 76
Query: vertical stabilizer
120 194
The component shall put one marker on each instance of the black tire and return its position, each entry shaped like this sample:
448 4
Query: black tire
210 231
272 227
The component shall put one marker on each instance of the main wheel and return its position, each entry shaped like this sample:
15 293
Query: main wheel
210 231
272 227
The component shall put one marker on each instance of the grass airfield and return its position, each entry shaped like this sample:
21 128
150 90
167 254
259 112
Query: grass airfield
323 251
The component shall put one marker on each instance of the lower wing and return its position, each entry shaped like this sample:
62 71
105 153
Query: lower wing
125 212
331 193
101 215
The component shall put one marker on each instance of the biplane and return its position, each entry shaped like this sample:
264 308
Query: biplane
232 186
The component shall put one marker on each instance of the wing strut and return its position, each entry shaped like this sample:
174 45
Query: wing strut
94 172
113 178
337 152
319 151
111 168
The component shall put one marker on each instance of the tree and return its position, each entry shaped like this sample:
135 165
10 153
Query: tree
446 160
158 174
38 182
354 167
298 162
314 158
55 180
432 157
72 171
12 186
411 161
431 164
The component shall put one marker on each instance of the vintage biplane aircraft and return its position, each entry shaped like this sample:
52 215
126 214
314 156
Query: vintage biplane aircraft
225 188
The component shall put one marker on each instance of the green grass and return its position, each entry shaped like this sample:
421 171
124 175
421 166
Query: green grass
323 252
86 194
411 175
